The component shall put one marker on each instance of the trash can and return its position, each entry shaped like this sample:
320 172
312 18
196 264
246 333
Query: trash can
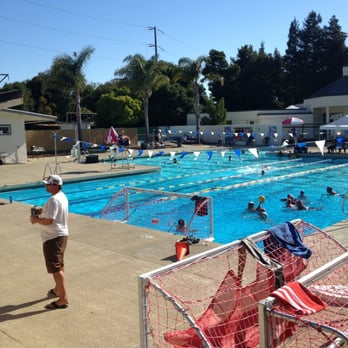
92 159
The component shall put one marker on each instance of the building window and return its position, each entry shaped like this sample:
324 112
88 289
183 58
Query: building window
5 129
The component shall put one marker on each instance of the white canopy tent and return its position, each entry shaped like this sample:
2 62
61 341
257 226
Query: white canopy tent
340 124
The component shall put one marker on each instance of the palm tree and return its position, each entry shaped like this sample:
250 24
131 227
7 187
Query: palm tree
67 73
191 71
143 77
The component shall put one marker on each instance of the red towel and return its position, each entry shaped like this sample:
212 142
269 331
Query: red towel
298 299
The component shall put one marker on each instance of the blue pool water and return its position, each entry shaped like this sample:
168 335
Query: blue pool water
231 184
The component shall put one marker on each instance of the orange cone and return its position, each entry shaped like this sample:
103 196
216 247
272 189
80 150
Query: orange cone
182 249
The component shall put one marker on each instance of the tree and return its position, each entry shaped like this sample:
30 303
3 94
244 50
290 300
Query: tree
335 52
67 73
292 65
170 105
217 112
117 109
143 77
191 71
216 72
311 54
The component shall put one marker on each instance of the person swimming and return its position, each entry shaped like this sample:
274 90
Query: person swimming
251 206
331 191
259 209
180 227
290 201
300 206
302 195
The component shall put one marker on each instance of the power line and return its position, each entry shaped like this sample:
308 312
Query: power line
68 31
102 19
4 76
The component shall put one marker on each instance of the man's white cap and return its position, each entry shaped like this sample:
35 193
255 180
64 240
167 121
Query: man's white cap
53 180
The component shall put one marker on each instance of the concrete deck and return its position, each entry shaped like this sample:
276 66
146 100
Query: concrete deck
103 262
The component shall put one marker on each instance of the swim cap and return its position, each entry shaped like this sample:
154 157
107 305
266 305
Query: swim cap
251 202
262 199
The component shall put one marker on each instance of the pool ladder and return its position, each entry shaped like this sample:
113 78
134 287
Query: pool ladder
344 203
52 170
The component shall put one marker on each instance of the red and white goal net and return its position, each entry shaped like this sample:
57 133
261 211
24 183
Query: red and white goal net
319 320
161 210
211 299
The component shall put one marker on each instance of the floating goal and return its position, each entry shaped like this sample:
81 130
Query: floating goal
162 210
212 299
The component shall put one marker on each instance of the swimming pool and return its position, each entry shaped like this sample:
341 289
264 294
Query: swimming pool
230 183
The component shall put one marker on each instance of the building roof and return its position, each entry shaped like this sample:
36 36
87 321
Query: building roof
337 87
29 116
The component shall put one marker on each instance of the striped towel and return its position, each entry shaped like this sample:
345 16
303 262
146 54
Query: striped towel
299 300
287 236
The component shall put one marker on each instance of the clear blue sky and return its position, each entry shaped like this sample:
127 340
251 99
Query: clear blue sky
34 32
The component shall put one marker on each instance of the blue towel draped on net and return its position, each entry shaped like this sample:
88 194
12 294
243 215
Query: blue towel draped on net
287 236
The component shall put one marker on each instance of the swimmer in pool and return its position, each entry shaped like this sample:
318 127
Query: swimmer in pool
302 195
331 191
180 227
301 206
259 210
290 201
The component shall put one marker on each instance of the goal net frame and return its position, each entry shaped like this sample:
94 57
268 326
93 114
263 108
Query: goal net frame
174 300
161 210
322 329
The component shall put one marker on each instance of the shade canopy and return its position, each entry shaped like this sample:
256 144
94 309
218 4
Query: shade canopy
293 121
340 124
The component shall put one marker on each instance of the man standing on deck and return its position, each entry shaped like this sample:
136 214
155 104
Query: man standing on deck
53 218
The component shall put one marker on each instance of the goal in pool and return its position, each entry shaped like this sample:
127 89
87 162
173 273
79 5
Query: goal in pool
179 213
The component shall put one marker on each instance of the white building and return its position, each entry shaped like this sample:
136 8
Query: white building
13 148
324 106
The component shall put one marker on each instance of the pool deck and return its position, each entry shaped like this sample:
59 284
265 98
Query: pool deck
103 262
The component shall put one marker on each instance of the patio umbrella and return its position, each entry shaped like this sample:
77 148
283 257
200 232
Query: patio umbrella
340 124
293 121
111 136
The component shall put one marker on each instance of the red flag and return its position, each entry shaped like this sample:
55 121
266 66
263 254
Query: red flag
111 136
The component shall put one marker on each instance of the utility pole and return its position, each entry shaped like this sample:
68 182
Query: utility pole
78 108
155 40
